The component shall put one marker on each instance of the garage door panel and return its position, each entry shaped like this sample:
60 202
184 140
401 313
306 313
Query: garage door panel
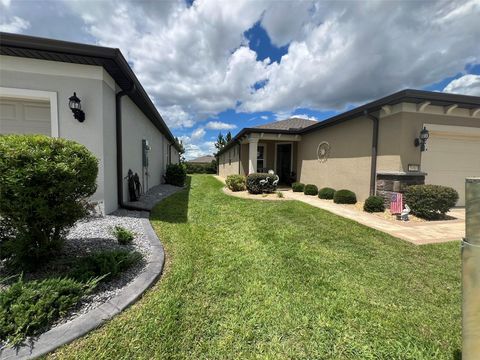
18 116
449 159
8 111
36 113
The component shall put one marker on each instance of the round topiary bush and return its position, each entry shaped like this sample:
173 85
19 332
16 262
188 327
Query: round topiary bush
176 174
45 184
344 197
236 182
430 201
326 193
310 189
298 187
258 183
374 204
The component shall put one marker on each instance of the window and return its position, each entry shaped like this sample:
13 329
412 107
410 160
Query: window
261 158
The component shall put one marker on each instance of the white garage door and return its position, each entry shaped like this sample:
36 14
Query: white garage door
453 153
24 116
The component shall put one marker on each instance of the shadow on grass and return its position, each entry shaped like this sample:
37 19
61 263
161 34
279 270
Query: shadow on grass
173 209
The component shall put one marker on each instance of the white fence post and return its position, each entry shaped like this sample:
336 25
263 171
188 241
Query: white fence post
471 272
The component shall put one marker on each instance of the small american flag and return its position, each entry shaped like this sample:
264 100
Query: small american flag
396 203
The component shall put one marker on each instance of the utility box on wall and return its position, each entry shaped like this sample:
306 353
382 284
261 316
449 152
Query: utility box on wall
145 150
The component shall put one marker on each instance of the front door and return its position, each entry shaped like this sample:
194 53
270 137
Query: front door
284 162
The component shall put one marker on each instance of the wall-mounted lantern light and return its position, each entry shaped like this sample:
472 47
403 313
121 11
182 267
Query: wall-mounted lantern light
422 140
76 107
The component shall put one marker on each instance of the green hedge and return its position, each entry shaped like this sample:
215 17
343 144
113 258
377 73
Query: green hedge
430 201
326 193
344 197
194 168
45 184
175 175
374 204
298 187
310 189
255 187
236 182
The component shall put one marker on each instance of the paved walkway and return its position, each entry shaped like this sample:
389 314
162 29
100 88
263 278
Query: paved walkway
148 200
418 233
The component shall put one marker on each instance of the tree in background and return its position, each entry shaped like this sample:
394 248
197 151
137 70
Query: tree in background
221 142
228 137
181 151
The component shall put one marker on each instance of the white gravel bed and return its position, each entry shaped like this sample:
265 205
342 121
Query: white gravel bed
95 234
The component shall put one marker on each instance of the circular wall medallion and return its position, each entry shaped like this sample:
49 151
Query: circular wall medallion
323 150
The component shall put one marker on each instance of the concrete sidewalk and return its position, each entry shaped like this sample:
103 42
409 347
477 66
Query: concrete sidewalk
418 233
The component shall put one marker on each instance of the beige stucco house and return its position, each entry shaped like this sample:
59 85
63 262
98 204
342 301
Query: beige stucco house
122 126
372 149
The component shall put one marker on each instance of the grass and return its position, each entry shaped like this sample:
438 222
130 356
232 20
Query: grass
248 279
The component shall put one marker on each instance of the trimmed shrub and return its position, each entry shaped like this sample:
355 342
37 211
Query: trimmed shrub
326 193
430 201
258 183
175 175
236 182
298 187
344 197
310 189
105 264
45 184
27 308
124 236
374 204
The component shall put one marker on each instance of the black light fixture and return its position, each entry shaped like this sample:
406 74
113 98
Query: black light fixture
422 139
76 107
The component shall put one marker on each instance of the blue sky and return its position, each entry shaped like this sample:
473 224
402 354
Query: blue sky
212 66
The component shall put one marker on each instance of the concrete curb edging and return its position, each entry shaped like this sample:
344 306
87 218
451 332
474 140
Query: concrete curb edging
66 333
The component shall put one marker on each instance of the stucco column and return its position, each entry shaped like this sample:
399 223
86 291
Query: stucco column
252 156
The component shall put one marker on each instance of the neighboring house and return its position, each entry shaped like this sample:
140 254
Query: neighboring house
371 149
202 160
122 126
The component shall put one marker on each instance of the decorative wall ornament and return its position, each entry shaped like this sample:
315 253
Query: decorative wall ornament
323 151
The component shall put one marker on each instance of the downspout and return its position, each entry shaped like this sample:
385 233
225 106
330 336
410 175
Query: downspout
239 159
118 132
373 169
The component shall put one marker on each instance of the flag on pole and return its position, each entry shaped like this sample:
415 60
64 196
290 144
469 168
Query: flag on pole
396 203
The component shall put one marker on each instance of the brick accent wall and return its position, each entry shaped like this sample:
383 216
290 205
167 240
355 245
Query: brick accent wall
387 184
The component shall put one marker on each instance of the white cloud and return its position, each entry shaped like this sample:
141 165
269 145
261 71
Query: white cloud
15 25
305 116
195 62
218 125
176 117
284 20
344 55
466 85
194 149
197 134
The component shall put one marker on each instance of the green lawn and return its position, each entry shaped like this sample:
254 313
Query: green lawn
283 280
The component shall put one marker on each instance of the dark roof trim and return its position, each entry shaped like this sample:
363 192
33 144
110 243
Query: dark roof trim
408 95
111 59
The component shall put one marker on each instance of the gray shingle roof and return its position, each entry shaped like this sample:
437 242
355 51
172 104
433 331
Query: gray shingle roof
288 124
202 159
